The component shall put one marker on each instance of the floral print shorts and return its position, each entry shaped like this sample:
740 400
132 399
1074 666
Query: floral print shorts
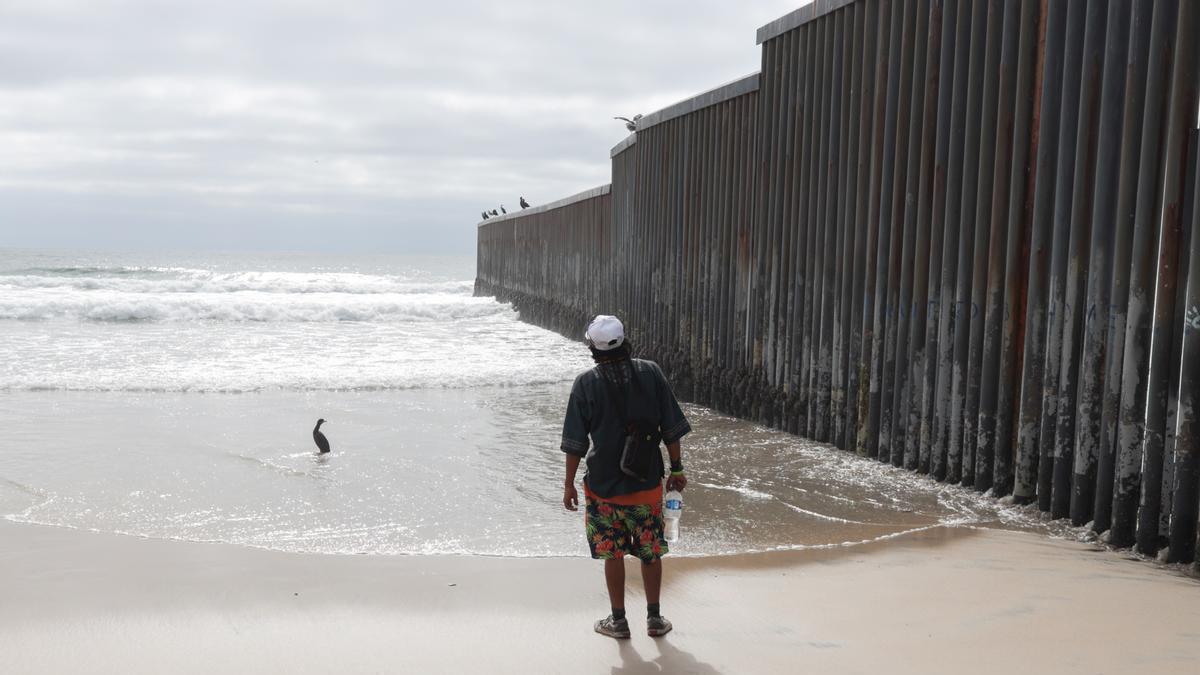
614 530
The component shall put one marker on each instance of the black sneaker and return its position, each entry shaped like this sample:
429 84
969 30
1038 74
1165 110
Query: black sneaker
614 628
657 626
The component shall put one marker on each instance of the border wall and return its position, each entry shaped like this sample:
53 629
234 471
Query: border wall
952 236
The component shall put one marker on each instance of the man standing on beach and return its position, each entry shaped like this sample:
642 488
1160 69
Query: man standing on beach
624 514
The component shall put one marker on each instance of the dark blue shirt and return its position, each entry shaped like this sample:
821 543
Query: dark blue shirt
593 414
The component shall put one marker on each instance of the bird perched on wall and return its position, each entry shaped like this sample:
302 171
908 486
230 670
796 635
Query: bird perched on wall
524 204
630 124
494 213
319 438
484 214
502 209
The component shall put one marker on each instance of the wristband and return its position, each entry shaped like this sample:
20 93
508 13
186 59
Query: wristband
676 468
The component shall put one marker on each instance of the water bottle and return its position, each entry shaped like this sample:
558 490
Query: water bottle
672 509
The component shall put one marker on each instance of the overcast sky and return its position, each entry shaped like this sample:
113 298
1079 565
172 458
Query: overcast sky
349 126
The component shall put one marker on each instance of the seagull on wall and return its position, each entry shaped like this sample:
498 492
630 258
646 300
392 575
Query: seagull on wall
630 124
502 209
524 204
484 214
493 212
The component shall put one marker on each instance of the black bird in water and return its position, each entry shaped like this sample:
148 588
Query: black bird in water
524 204
322 442
502 209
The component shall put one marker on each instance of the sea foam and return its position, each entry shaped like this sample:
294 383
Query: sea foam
187 280
243 305
125 293
248 325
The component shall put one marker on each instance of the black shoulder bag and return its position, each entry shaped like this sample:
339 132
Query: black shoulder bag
639 452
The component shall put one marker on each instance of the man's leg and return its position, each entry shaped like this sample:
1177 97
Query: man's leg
614 576
607 543
656 624
651 580
615 624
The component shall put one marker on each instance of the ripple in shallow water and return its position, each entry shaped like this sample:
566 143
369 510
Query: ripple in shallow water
428 472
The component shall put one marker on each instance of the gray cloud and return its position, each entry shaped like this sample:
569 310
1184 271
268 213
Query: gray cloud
349 126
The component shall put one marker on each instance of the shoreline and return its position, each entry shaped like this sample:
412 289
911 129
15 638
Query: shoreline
936 600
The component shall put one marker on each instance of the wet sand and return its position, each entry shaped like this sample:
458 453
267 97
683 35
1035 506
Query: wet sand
942 600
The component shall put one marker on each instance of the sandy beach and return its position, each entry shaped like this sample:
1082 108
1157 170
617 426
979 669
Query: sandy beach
942 600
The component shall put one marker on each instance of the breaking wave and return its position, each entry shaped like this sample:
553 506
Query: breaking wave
133 294
154 280
273 324
242 306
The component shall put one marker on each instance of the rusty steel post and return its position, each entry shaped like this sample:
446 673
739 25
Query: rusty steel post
843 404
951 181
1180 123
914 373
1131 425
1054 469
1023 177
1182 541
1167 483
784 164
840 267
859 298
1099 285
793 141
762 241
820 224
804 159
837 209
991 466
1081 223
1178 322
895 202
868 383
982 473
1069 273
828 222
1162 408
961 447
930 436
1030 453
811 222
764 236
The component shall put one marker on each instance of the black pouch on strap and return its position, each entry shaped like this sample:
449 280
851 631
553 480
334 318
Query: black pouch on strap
641 446
640 452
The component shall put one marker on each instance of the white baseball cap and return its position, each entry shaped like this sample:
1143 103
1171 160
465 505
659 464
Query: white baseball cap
605 332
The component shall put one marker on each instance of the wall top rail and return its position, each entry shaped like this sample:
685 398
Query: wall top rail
813 10
624 144
541 208
720 94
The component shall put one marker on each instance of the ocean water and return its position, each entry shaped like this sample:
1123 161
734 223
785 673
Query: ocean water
174 395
